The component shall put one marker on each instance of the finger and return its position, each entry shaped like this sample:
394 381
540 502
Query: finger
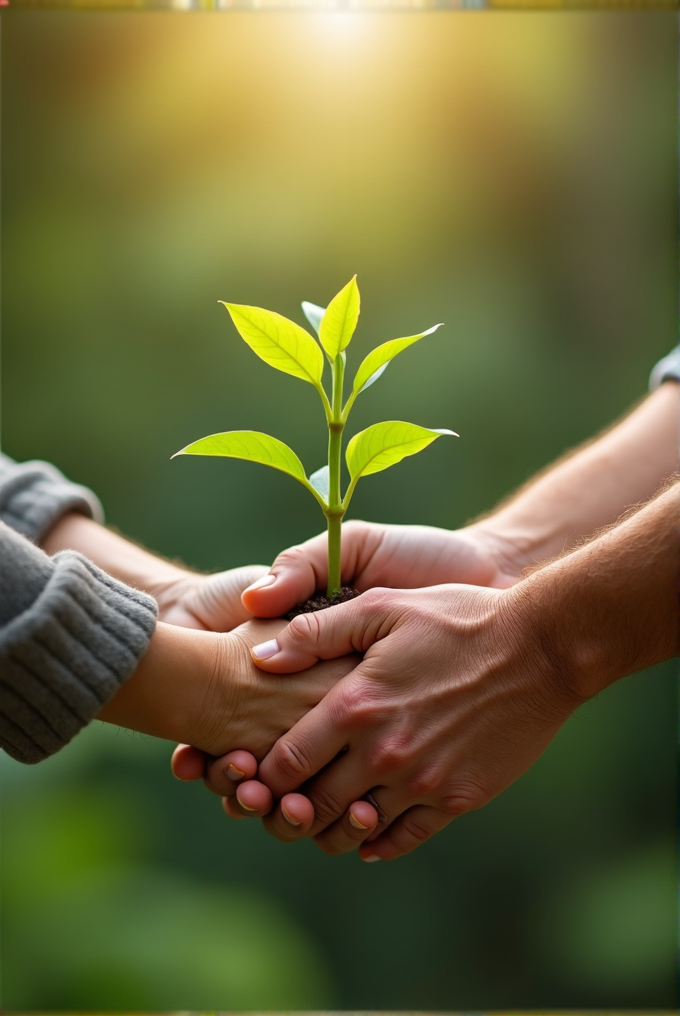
358 822
334 792
254 798
305 749
326 634
188 763
300 571
234 810
292 819
223 775
220 605
406 833
295 576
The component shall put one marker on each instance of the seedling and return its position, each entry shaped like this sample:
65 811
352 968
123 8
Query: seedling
288 347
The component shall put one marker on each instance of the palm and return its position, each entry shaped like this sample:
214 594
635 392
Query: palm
410 557
209 602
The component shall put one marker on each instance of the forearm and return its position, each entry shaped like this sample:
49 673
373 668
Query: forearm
113 553
591 488
610 608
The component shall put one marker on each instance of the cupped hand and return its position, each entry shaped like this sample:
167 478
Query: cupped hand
213 603
453 700
206 602
403 557
248 707
210 603
243 706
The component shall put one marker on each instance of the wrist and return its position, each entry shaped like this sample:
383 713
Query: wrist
126 561
174 692
509 548
553 675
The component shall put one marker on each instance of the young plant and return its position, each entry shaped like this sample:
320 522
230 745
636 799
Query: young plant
290 348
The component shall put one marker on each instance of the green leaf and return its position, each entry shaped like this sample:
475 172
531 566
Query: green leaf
278 341
314 314
320 481
340 320
251 445
377 360
385 444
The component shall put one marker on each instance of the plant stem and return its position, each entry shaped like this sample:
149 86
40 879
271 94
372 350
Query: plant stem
335 510
334 552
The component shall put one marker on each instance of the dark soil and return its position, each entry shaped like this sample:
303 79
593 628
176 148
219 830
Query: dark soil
320 602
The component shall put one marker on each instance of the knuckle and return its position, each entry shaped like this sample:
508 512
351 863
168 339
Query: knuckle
378 598
327 807
389 755
424 783
414 829
357 705
304 631
292 557
464 797
291 762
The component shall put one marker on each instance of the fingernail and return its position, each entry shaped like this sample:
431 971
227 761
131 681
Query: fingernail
234 774
370 859
244 806
265 650
288 818
266 580
357 824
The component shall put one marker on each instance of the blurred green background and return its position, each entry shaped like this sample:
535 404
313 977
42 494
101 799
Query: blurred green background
513 175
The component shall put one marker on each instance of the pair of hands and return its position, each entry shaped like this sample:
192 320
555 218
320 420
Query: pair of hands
440 714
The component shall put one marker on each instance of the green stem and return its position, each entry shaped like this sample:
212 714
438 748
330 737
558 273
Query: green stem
335 510
334 551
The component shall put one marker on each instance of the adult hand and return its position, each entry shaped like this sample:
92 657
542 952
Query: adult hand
403 557
205 602
372 555
446 709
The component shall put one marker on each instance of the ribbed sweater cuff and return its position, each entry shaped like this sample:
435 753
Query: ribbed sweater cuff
33 495
66 656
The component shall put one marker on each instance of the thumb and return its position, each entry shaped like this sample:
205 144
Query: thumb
325 634
296 575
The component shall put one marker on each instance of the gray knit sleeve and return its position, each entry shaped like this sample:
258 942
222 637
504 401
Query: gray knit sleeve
33 495
70 635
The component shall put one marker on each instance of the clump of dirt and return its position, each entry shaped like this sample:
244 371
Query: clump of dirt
320 602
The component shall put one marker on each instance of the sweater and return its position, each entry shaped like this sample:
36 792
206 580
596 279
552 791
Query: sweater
70 635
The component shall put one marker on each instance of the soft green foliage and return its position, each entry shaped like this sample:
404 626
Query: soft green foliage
279 342
288 347
379 358
384 444
340 320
